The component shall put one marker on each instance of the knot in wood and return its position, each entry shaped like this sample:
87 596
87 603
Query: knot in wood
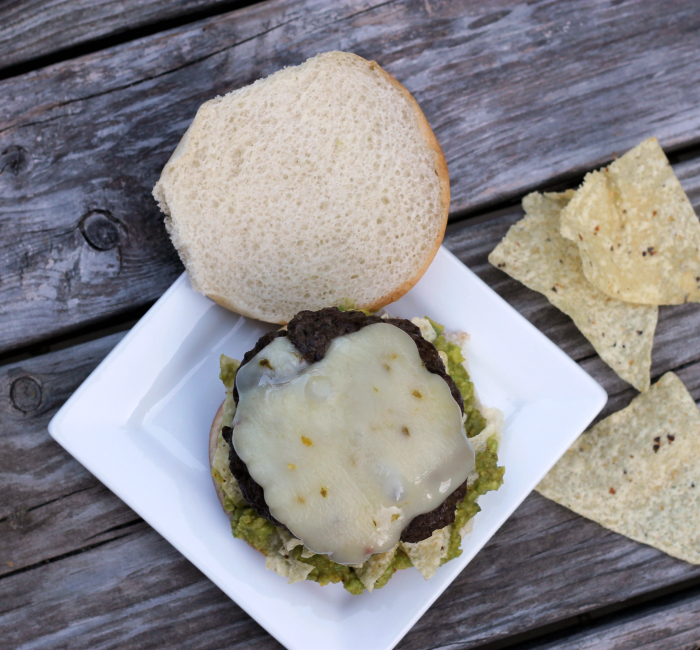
14 159
100 230
25 394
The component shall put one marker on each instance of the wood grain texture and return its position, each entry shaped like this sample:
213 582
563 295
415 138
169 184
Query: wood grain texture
134 592
669 626
35 28
519 94
51 505
545 565
31 472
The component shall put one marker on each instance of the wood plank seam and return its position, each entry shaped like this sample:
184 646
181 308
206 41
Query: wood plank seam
601 619
20 66
73 553
20 513
126 524
120 323
145 79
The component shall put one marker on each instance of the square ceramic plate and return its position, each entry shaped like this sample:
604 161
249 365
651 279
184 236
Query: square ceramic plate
141 423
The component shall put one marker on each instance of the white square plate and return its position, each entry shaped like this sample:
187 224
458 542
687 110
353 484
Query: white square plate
140 423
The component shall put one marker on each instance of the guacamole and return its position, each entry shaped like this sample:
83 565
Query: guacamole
475 422
296 561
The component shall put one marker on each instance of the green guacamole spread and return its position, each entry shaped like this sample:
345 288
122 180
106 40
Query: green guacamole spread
475 422
264 536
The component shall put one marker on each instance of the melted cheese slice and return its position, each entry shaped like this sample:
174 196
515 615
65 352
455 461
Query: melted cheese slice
350 449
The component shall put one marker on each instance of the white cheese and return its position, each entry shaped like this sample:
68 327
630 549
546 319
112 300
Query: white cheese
350 449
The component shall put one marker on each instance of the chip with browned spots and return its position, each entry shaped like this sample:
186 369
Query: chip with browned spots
637 472
636 230
535 253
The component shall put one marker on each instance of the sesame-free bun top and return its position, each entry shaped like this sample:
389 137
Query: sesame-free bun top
319 185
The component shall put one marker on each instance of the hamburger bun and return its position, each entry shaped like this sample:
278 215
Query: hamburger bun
319 185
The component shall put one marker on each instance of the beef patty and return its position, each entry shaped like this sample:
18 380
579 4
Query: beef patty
312 332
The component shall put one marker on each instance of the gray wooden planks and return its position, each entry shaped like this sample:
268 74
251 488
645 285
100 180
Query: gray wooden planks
32 473
669 626
135 592
520 95
565 566
51 505
35 28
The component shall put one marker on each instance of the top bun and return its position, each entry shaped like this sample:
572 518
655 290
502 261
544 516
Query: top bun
319 185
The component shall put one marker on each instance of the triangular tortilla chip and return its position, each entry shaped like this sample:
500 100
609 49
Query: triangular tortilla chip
636 230
637 472
535 253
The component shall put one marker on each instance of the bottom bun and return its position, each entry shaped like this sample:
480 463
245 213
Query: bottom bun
213 441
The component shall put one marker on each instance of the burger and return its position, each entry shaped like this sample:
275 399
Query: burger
350 444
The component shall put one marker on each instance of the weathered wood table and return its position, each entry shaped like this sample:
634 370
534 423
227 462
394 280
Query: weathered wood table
522 95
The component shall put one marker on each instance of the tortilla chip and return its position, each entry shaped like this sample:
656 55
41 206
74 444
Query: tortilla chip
288 567
374 567
636 230
637 472
427 554
535 253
